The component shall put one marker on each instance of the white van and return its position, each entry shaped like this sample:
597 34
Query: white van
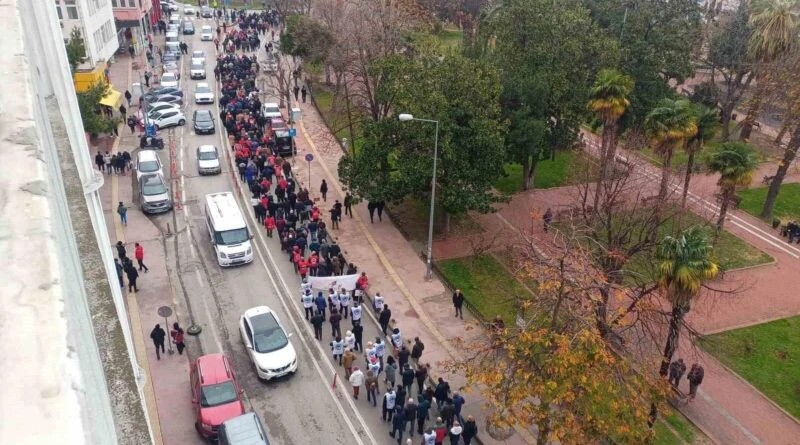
228 230
172 36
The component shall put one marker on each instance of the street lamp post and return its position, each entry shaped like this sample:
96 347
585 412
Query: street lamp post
429 265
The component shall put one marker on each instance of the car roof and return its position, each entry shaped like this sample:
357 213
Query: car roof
261 310
168 73
147 155
198 52
213 369
199 112
206 28
207 148
151 178
271 105
202 84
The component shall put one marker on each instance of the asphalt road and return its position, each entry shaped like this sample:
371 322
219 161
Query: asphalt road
298 409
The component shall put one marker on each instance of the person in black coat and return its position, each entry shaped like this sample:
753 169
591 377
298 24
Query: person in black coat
121 253
358 333
384 318
157 335
132 274
371 207
399 422
458 303
470 430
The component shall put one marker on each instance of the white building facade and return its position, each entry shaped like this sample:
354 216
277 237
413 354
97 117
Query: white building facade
95 19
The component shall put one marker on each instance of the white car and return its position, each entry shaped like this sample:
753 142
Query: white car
203 94
208 160
147 163
169 80
198 55
161 106
267 343
206 34
270 110
197 70
168 118
188 10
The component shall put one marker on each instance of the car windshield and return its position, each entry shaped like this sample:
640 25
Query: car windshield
229 237
198 55
200 89
219 394
206 29
202 117
168 77
272 110
267 334
148 166
153 186
207 155
197 66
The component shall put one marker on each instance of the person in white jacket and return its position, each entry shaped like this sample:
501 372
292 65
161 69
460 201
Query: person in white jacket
356 380
455 433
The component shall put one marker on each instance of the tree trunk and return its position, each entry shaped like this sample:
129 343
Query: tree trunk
752 115
544 432
327 74
526 170
726 114
666 172
782 133
689 172
727 193
446 230
675 322
775 186
601 311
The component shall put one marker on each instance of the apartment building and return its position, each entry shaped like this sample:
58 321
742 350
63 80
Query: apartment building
135 19
95 19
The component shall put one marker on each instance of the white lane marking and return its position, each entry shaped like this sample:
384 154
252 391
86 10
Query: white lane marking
199 277
193 250
729 417
207 311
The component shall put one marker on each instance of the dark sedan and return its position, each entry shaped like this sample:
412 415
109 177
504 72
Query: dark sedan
162 91
203 122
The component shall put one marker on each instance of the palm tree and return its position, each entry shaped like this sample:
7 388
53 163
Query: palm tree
609 100
707 121
775 26
685 264
735 162
669 125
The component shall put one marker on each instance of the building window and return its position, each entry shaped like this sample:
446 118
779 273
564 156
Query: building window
114 3
72 9
131 3
98 40
58 11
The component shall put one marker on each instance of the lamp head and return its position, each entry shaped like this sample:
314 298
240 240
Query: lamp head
405 117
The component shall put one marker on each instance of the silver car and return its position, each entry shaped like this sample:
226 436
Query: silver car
208 160
155 194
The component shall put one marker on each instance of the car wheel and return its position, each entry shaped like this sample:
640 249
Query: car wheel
181 122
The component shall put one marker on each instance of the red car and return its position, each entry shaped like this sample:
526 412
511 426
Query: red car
216 395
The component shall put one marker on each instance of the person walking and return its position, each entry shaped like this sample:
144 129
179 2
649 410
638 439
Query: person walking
335 319
308 303
398 424
384 318
358 333
547 219
380 350
695 378
128 97
411 415
177 337
421 375
458 303
441 431
429 437
407 377
371 384
98 160
337 348
118 266
676 371
321 304
158 335
388 404
122 210
296 91
423 412
303 93
123 111
132 124
441 393
371 208
379 207
355 313
397 340
348 204
416 352
350 340
447 413
347 362
390 371
470 430
317 320
132 274
458 402
138 253
323 190
455 433
344 302
356 380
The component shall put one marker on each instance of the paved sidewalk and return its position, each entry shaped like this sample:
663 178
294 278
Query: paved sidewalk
727 409
167 387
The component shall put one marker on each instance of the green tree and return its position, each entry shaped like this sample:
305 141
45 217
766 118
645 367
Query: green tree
76 49
707 122
94 122
656 38
669 125
548 57
307 38
735 162
684 265
609 100
463 95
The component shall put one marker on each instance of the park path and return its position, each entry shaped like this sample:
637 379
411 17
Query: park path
728 409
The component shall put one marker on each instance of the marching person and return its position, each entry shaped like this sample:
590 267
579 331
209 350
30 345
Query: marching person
377 303
388 404
337 348
321 304
344 301
380 350
356 380
317 320
335 319
347 362
355 312
139 254
308 303
384 318
416 352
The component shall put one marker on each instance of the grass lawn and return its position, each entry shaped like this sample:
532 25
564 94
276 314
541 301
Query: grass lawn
451 37
730 251
767 356
686 432
486 284
549 174
412 215
787 206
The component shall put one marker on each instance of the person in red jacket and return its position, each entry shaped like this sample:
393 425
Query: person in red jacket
269 223
362 282
139 254
313 263
302 267
296 257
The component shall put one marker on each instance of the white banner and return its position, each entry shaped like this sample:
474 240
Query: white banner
346 281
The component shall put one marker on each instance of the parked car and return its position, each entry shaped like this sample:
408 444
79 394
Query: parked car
160 106
271 110
154 193
216 395
197 70
188 27
267 343
277 124
283 143
169 98
169 80
203 94
188 10
206 33
148 163
170 57
203 122
199 55
208 160
206 12
168 118
162 91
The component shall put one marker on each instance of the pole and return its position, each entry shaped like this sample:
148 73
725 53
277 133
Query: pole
169 342
309 174
429 270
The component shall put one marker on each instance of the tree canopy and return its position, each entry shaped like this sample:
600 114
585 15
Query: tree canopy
395 159
76 49
95 122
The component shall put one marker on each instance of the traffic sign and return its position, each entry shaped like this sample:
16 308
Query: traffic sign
293 132
309 157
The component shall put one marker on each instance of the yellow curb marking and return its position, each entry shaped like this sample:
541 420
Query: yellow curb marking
389 268
133 306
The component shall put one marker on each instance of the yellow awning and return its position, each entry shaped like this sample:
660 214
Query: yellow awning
111 99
